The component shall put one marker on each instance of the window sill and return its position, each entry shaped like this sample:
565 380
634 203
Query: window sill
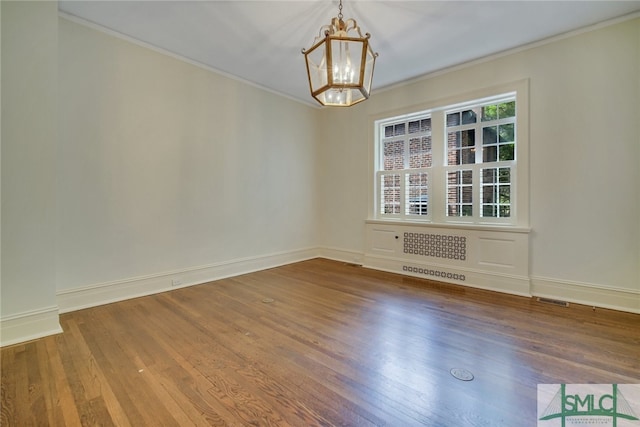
452 225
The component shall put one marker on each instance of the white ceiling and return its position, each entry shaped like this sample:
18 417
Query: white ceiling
261 41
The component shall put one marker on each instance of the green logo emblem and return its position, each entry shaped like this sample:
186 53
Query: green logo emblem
586 404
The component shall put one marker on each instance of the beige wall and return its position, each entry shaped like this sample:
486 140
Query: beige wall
29 99
165 166
584 155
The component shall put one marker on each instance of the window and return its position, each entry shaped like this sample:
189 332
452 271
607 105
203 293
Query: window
455 163
480 151
405 162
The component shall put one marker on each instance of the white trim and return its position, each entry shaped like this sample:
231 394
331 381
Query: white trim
108 292
29 325
453 226
498 282
587 294
336 254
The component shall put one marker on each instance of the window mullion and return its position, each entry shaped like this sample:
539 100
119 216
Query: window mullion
438 177
476 190
403 193
407 155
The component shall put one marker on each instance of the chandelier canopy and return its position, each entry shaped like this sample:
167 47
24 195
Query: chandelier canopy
340 63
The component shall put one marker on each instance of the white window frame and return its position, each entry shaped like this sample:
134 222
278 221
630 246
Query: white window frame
478 165
437 199
404 209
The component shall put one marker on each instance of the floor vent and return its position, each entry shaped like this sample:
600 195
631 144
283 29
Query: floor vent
553 301
434 272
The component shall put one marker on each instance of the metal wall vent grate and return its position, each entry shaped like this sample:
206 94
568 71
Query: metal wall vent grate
436 245
553 301
434 272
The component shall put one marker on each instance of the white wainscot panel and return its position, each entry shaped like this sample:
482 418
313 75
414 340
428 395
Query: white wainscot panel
496 252
482 257
383 240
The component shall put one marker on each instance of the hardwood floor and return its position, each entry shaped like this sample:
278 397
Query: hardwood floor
316 343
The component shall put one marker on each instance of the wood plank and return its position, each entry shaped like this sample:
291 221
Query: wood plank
335 345
58 391
9 370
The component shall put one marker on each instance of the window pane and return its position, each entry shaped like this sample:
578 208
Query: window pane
468 138
488 176
505 175
459 193
467 156
416 195
507 152
453 119
454 140
507 109
489 211
506 132
489 112
390 200
496 192
489 194
505 194
468 117
467 195
399 129
388 131
453 195
393 155
490 154
453 178
490 135
422 125
461 147
420 152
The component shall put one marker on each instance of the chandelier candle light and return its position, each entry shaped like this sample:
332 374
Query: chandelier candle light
339 64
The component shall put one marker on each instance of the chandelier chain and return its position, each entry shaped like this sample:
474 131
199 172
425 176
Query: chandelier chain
340 10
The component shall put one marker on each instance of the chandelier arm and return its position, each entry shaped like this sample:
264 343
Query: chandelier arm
351 24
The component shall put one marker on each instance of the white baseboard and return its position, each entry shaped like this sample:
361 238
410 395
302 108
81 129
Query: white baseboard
336 254
587 294
473 278
105 293
40 323
29 326
579 293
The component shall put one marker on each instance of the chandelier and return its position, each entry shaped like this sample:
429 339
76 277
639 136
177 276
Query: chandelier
340 64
